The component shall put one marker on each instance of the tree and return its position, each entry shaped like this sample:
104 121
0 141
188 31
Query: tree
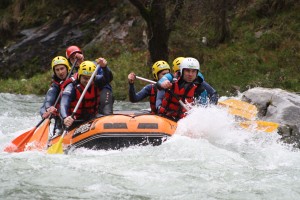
159 25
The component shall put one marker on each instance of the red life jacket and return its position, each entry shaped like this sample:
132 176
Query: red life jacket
152 99
72 79
88 108
171 107
62 85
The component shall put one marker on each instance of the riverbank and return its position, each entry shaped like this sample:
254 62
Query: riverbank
263 49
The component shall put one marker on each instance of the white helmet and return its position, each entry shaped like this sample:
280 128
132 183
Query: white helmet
189 63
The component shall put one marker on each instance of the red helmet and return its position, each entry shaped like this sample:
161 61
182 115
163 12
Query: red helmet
72 49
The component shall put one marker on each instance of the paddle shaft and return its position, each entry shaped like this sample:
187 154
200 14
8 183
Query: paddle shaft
85 89
153 82
144 79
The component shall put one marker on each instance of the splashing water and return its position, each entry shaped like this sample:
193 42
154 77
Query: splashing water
209 157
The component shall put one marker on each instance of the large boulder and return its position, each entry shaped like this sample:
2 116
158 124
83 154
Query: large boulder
279 106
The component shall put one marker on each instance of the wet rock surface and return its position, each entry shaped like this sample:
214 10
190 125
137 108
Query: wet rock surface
279 106
36 47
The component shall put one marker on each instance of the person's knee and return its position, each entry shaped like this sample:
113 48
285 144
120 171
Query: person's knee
106 110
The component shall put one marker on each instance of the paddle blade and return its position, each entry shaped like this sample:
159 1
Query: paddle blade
39 139
265 126
57 148
19 143
240 108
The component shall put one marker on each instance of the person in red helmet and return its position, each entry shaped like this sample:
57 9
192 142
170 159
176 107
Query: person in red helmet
74 53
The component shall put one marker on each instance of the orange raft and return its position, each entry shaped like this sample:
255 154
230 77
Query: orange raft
119 130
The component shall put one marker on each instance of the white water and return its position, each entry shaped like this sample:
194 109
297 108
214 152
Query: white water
208 158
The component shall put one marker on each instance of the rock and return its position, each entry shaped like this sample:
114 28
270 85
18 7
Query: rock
277 105
290 135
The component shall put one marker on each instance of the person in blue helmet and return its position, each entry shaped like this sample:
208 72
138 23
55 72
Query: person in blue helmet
74 53
187 88
159 69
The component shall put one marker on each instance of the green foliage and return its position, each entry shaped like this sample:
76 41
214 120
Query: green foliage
122 66
270 40
39 84
264 50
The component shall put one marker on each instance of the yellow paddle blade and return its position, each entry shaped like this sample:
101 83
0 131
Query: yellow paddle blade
240 108
265 126
56 148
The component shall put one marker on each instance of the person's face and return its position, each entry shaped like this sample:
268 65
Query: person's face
61 71
73 58
84 80
189 75
162 73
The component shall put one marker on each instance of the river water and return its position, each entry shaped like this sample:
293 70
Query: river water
209 157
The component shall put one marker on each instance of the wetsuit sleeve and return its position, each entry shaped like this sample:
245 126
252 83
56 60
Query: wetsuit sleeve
105 78
211 92
106 72
159 98
168 76
201 98
143 93
50 98
67 96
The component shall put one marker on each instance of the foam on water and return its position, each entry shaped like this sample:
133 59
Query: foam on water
209 157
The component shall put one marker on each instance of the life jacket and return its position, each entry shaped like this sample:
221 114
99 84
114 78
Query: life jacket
72 79
56 82
171 107
152 99
89 106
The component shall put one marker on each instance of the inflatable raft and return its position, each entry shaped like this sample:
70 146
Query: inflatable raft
119 130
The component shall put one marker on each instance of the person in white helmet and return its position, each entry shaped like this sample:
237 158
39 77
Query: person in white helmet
211 92
187 88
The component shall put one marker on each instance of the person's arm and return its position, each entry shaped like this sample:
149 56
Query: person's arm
165 82
202 98
159 97
50 98
106 72
212 93
104 69
143 93
66 99
100 81
51 95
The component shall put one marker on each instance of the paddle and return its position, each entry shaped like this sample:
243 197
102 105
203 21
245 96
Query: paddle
57 148
265 126
241 109
19 143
